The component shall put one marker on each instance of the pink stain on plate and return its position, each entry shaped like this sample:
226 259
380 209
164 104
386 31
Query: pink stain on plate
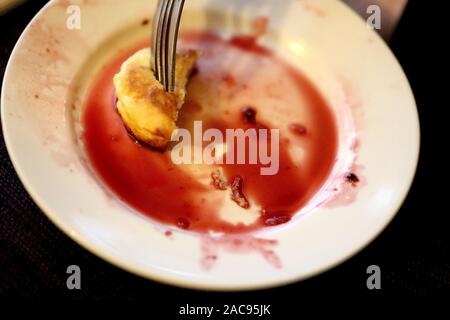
211 248
313 9
347 188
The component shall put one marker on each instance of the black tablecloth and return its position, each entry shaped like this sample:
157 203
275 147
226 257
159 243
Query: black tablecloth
413 252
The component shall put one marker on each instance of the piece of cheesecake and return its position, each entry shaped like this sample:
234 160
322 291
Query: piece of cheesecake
147 110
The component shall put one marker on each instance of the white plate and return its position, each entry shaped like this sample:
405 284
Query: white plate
349 63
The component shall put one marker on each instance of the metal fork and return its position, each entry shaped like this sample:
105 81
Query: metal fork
164 42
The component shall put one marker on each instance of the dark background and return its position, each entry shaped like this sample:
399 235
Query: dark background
413 252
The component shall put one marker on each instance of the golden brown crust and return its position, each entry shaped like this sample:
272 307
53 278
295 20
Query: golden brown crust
141 84
147 110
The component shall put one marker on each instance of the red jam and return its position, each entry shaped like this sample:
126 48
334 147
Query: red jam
149 182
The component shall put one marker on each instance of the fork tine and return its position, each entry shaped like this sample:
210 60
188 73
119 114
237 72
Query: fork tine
167 21
159 43
164 43
173 37
155 39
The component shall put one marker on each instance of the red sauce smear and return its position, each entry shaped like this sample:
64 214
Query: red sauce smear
149 182
237 244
